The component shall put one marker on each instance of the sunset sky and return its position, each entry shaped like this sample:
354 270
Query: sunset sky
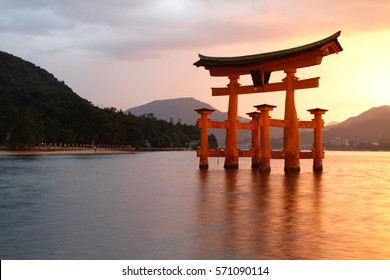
125 53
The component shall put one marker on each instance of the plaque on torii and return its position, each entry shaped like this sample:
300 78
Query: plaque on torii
260 67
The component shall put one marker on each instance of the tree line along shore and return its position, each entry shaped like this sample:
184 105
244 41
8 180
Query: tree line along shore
36 108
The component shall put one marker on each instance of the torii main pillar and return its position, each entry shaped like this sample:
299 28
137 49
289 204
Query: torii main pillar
231 149
291 132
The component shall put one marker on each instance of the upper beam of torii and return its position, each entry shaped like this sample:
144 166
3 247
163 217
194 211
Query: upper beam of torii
260 67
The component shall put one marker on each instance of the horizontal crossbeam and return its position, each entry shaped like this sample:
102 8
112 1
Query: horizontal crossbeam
249 153
249 126
299 84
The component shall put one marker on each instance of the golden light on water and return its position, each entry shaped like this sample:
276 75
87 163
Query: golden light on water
135 207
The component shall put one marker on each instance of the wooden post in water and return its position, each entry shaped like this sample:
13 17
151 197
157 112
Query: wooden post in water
318 153
255 138
203 124
265 147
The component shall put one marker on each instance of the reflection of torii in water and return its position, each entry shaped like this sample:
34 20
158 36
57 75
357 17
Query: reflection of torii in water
260 67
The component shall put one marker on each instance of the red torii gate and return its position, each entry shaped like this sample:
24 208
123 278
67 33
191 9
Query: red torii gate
260 67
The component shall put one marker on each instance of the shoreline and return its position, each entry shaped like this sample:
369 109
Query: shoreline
85 151
74 151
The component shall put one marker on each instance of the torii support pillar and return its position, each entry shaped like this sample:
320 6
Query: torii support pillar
203 124
317 144
255 138
265 147
291 132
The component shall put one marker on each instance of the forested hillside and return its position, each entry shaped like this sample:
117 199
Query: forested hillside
36 108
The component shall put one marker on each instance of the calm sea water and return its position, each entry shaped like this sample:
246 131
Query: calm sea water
158 205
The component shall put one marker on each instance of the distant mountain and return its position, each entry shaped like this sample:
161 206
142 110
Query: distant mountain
370 126
376 113
183 109
178 109
331 124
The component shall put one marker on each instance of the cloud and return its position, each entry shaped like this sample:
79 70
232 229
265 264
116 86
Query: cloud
109 50
146 29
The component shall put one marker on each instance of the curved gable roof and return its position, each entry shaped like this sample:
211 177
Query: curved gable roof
327 46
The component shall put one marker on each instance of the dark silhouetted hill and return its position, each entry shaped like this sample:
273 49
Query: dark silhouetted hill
37 109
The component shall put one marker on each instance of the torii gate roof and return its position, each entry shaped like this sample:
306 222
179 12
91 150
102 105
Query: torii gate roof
298 57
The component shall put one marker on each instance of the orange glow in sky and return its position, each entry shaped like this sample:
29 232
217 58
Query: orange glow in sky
124 54
351 81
